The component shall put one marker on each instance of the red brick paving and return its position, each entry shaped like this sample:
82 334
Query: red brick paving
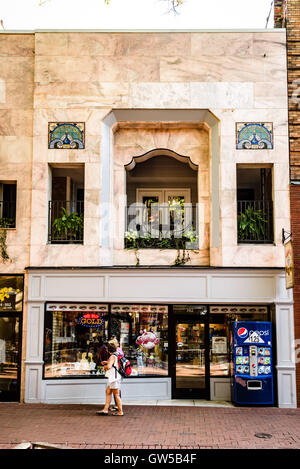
147 427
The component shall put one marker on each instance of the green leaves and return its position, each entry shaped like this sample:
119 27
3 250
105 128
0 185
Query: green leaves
134 241
4 224
251 225
68 226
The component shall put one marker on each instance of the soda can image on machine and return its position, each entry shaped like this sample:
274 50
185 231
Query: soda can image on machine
252 380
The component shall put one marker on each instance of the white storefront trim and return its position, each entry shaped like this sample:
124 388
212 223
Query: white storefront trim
170 286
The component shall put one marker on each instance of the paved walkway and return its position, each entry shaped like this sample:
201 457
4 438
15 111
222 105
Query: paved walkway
150 427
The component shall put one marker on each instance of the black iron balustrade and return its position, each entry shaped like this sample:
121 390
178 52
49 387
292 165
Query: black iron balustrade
161 227
65 222
255 221
7 214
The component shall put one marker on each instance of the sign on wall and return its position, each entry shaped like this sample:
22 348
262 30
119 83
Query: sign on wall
289 264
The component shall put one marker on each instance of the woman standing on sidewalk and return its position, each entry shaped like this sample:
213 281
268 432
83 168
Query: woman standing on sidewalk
114 380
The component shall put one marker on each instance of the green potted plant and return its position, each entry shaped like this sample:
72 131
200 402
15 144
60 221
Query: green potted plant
251 225
68 227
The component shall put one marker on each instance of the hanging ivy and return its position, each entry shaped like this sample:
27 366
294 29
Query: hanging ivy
3 243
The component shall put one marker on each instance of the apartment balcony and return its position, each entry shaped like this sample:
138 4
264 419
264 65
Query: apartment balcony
161 226
7 214
255 221
65 222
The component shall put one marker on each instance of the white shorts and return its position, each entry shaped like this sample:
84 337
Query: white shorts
114 384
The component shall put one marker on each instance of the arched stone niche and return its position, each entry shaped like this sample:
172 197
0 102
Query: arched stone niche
133 136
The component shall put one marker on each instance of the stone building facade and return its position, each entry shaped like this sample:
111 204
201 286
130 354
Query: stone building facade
287 14
92 122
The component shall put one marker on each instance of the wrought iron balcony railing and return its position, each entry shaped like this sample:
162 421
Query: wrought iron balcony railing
161 226
255 221
7 214
65 222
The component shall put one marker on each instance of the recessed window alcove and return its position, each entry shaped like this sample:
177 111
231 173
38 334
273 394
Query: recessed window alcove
174 153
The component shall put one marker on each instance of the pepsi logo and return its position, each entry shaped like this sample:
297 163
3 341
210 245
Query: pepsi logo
242 332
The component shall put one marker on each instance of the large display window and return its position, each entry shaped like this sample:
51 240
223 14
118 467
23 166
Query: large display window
76 338
11 305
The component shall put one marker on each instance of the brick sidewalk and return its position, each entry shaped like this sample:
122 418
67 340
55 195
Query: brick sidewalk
78 426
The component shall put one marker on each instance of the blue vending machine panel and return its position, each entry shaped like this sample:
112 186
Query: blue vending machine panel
252 363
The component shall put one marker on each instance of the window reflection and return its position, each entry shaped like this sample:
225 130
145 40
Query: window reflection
142 331
76 337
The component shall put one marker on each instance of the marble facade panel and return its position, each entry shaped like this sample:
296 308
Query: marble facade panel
141 45
228 176
93 44
2 91
17 45
229 231
160 95
281 177
222 44
90 95
88 69
40 176
92 202
71 255
62 69
282 204
271 44
17 96
222 95
39 230
253 255
16 149
39 203
51 44
23 200
92 176
227 203
20 172
17 68
190 69
91 231
123 154
16 122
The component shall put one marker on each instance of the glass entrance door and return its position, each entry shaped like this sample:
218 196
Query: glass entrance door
191 372
9 358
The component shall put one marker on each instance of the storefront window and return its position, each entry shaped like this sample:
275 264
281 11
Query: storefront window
11 293
219 346
11 304
76 336
142 331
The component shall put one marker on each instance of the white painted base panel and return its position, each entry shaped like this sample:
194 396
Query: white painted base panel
82 391
220 389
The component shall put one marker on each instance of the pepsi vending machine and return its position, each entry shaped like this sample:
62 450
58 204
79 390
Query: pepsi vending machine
252 363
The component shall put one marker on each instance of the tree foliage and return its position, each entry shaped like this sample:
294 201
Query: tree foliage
173 4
